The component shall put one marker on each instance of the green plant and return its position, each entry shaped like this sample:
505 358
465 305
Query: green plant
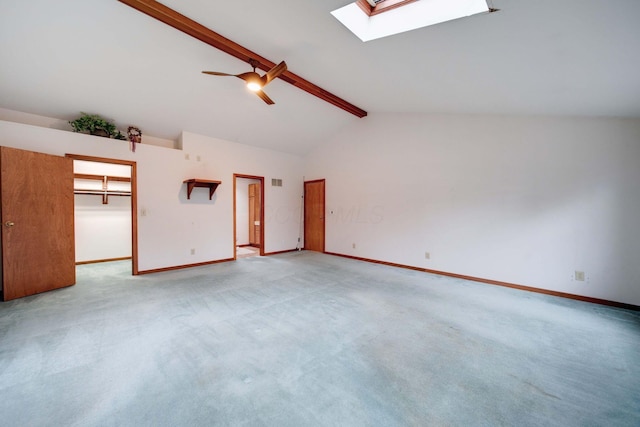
120 135
94 124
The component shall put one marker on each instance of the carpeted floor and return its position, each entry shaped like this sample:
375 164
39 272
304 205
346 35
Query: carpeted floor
306 339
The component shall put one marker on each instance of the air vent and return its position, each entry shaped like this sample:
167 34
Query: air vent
276 182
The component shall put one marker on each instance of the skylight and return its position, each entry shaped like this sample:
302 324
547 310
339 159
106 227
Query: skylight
410 16
373 7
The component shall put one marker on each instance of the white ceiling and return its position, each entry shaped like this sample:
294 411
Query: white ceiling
534 57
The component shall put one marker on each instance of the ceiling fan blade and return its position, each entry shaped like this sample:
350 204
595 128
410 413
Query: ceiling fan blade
274 72
215 73
245 76
264 97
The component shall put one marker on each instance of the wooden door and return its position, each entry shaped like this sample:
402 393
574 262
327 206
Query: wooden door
38 248
254 214
314 215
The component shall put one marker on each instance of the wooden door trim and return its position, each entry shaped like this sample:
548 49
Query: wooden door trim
134 201
324 205
262 242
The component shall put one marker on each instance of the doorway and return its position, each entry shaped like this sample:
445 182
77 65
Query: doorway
106 210
314 211
248 216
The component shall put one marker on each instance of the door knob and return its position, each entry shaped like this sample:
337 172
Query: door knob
9 224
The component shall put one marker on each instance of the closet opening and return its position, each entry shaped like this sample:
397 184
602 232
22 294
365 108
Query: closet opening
105 208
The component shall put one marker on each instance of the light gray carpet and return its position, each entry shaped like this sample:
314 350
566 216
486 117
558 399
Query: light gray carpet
305 339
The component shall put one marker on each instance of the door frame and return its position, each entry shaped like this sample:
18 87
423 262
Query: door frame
134 201
262 242
324 208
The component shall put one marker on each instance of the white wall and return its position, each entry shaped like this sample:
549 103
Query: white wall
50 122
173 225
521 200
102 231
221 159
242 209
33 119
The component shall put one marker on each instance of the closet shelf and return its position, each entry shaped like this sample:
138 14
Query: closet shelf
104 192
101 192
204 183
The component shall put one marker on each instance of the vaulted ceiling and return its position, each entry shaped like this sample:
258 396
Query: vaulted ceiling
543 57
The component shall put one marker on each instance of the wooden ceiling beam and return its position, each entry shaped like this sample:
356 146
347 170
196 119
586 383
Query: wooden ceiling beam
188 26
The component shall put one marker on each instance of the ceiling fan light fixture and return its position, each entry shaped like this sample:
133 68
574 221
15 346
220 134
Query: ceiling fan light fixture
254 82
254 86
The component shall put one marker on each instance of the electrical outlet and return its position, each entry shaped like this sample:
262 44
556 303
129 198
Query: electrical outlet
143 212
193 251
427 255
579 276
186 156
198 158
353 245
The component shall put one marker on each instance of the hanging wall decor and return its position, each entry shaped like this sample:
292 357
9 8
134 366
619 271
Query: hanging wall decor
135 137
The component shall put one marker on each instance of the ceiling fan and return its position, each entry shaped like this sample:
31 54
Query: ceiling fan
255 83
